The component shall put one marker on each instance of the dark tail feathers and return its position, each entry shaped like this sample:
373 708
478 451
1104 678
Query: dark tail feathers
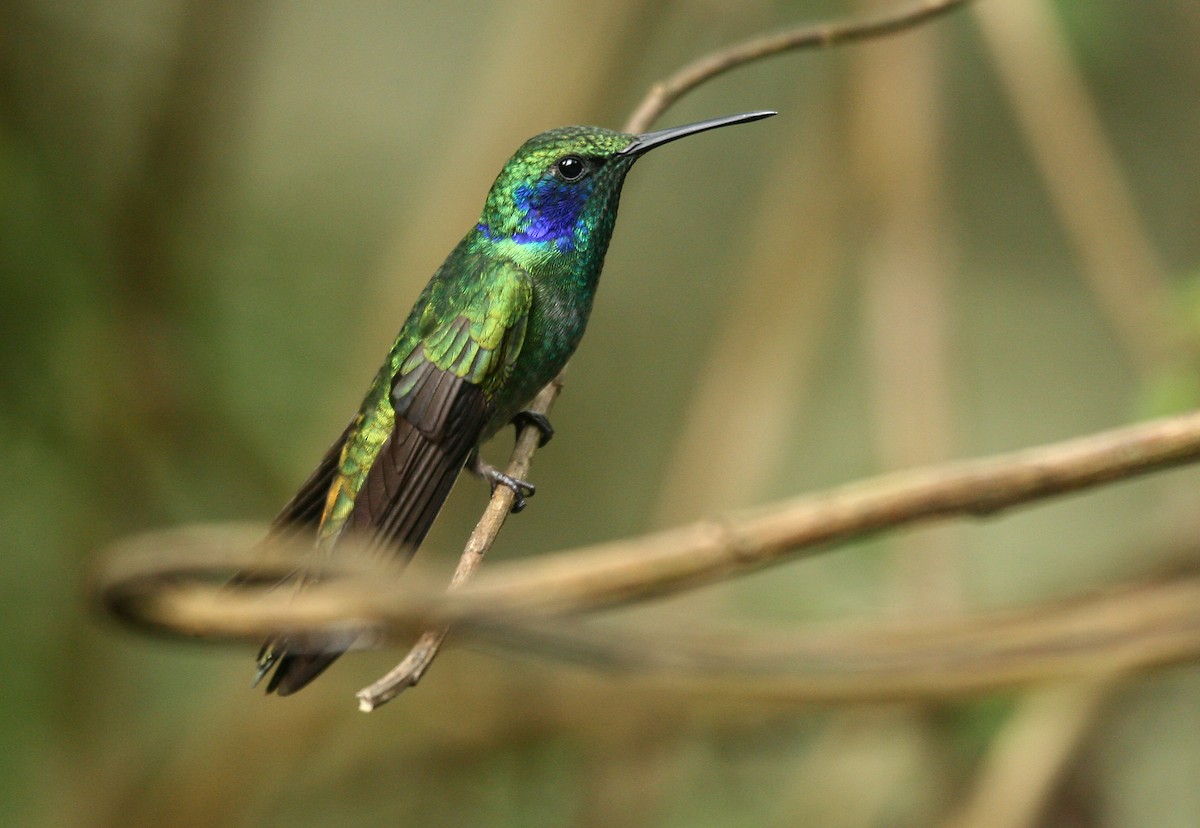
295 668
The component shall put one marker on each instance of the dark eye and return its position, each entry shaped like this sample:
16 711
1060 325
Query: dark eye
570 168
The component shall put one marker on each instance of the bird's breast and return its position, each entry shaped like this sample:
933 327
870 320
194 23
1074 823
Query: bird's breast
556 324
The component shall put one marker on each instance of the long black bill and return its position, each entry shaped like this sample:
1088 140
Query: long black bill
649 140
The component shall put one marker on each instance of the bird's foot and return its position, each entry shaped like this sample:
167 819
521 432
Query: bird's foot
520 488
538 421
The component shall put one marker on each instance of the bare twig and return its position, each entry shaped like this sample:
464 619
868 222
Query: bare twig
171 595
1100 636
661 96
410 670
665 93
708 550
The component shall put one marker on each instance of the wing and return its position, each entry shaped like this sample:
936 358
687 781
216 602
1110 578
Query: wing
408 444
440 397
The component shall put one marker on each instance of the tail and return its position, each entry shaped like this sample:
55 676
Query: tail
297 662
294 670
438 419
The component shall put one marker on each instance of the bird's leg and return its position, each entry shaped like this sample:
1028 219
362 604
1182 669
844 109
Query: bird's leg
495 477
538 421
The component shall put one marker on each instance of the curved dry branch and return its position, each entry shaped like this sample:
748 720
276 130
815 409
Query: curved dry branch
1100 636
181 594
709 550
666 92
1132 628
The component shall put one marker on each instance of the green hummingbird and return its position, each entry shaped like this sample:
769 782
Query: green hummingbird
497 321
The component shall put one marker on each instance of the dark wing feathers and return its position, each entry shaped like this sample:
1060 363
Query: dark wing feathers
418 464
440 408
403 492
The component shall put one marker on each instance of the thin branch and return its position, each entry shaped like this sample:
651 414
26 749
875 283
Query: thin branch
665 93
710 550
410 670
171 594
1103 636
661 96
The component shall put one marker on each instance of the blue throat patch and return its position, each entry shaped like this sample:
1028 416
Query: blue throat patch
552 209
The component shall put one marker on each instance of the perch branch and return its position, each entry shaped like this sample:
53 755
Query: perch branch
709 550
171 594
409 671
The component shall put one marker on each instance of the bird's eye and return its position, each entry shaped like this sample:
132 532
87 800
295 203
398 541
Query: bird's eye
570 168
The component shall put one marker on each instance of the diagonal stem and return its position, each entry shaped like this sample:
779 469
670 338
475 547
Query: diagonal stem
410 670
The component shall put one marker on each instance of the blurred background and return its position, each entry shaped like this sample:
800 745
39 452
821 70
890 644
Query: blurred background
968 239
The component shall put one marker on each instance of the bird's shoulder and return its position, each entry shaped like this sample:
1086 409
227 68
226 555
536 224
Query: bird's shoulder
471 325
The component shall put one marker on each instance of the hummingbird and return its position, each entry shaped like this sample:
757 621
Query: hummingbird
496 322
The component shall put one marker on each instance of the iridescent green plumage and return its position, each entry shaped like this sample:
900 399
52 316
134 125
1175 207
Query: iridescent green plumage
497 321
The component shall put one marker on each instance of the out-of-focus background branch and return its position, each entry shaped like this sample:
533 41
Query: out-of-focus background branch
215 216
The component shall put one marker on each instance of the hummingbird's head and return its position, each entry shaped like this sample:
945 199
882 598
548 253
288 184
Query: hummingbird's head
559 192
557 187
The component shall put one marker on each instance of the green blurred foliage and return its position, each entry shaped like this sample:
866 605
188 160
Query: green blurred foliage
213 216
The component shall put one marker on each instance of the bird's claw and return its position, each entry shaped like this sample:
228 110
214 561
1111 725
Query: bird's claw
519 488
539 421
